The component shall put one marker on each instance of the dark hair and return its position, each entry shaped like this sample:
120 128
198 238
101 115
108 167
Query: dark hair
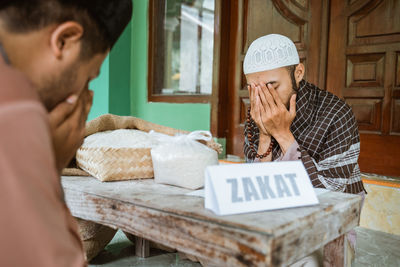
27 16
291 69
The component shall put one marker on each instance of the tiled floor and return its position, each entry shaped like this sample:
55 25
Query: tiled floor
376 248
373 249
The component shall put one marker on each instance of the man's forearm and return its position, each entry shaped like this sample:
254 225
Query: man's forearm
285 140
293 153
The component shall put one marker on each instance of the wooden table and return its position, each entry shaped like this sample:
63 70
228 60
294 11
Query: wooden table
164 214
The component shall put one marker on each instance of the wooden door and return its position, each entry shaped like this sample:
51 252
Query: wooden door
304 21
364 68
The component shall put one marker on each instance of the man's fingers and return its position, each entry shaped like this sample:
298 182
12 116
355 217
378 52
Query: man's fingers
252 99
252 94
82 114
62 111
264 103
259 115
74 118
263 118
292 109
269 98
86 104
89 102
72 135
275 96
258 109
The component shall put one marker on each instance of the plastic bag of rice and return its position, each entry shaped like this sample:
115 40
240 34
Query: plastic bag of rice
180 160
117 155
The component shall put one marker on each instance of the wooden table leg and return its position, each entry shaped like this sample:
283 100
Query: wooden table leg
338 253
142 247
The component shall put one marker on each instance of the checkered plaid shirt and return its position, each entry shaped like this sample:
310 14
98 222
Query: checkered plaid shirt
327 134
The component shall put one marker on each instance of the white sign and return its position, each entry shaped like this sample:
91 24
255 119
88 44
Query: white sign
241 188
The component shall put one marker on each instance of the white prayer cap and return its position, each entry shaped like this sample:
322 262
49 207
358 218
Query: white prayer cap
270 52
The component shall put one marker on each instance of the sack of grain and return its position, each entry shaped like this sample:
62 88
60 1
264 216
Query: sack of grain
181 160
117 155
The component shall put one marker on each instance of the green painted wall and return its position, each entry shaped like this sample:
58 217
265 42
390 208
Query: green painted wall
182 116
120 71
100 86
112 87
121 87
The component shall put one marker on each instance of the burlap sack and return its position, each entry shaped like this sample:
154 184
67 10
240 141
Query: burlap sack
94 237
107 164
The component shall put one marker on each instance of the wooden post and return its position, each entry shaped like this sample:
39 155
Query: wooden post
142 247
338 253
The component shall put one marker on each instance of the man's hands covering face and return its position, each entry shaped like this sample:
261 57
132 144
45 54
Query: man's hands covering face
67 124
271 115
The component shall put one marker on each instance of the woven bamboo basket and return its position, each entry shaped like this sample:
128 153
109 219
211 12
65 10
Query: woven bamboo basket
115 164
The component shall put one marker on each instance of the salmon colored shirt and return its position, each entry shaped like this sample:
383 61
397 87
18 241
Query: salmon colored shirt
36 227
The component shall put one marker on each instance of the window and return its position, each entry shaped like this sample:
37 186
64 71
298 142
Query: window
181 50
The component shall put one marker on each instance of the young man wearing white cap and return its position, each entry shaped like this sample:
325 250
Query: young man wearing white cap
291 119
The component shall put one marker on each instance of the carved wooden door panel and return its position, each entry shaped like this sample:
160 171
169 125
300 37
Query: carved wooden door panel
304 21
364 69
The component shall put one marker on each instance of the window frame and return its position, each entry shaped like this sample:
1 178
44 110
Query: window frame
152 50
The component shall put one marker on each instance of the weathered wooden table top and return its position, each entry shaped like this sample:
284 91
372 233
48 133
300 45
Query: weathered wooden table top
166 215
